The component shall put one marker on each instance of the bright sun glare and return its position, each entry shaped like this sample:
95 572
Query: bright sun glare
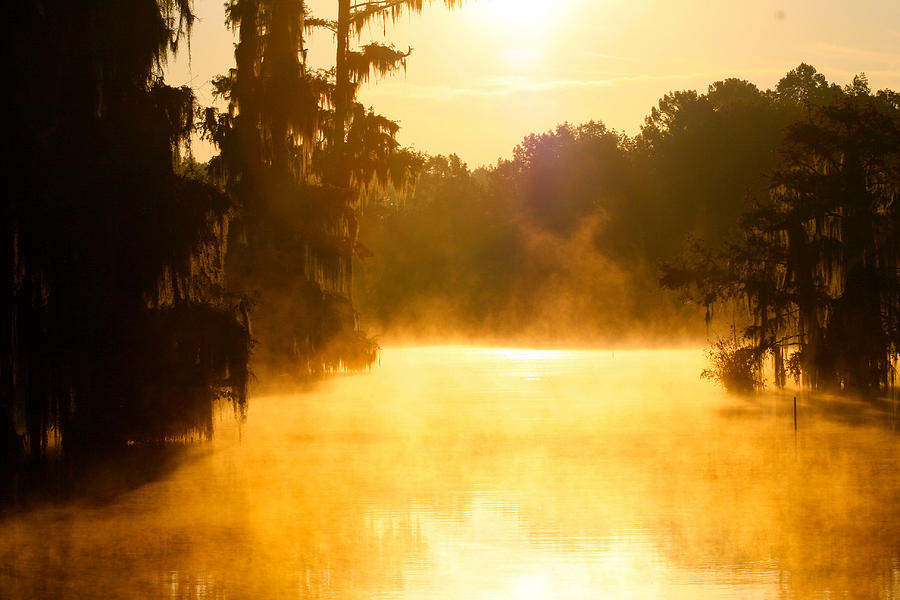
528 354
521 15
520 30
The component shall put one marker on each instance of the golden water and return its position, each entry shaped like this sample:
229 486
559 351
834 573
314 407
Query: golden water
467 473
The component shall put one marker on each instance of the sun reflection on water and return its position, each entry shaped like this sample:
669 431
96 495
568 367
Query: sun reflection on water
517 354
493 473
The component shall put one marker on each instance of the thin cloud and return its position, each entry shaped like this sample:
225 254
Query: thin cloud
442 92
604 55
500 88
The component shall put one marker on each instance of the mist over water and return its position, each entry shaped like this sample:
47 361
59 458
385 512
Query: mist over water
467 472
141 288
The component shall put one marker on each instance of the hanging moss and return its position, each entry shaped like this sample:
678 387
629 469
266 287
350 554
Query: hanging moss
301 157
118 324
818 262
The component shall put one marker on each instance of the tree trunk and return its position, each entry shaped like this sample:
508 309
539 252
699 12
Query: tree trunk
341 94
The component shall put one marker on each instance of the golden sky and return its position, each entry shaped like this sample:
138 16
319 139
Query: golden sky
482 77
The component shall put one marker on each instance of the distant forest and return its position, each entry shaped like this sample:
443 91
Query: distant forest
137 283
775 209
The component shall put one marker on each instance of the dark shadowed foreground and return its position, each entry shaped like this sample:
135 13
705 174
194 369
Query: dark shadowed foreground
488 473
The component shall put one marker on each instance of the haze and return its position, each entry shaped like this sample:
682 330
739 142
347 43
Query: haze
540 475
521 300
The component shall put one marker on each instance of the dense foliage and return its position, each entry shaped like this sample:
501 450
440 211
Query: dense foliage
536 248
301 157
735 364
117 322
817 257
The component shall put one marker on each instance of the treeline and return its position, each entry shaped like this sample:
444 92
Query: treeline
817 255
565 241
130 273
523 252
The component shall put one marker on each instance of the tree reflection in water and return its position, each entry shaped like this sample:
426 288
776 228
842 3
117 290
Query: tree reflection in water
465 472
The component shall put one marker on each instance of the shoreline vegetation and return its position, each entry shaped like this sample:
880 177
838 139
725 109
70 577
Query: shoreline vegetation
139 286
773 212
130 272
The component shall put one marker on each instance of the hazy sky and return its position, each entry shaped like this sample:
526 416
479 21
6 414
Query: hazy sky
482 77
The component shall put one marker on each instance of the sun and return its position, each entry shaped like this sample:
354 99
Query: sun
525 16
519 33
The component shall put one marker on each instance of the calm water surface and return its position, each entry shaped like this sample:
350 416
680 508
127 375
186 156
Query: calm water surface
478 473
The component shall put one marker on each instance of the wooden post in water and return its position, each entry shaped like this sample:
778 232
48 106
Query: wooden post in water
795 414
795 427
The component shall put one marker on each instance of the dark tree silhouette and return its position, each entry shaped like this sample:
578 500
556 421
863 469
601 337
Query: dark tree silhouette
818 259
301 156
117 323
